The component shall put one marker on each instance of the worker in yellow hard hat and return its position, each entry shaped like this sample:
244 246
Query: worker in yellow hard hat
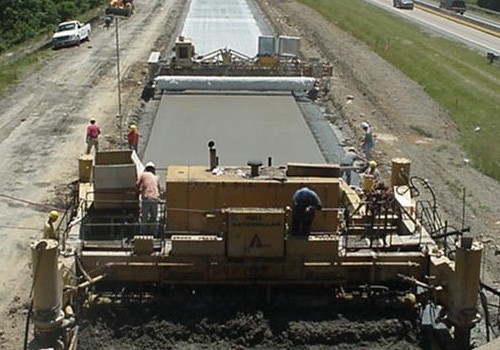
133 137
373 171
49 232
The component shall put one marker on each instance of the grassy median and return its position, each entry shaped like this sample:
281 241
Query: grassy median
460 79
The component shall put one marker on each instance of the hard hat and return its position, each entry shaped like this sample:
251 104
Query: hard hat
54 215
150 165
132 127
372 164
92 119
365 125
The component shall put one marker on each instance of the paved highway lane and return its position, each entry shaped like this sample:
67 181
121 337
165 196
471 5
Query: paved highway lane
443 25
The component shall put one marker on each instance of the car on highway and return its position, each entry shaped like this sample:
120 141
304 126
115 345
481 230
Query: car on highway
403 4
453 5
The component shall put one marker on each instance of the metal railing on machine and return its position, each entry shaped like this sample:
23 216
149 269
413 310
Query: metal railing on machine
120 220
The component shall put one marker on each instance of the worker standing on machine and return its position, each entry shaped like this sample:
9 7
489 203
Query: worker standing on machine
149 189
133 137
305 202
93 132
49 231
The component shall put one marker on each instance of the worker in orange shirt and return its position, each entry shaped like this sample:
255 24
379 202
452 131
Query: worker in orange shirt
133 137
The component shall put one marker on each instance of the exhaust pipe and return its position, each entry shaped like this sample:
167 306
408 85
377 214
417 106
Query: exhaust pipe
214 160
254 167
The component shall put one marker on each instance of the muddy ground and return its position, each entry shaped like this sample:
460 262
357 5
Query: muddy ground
42 126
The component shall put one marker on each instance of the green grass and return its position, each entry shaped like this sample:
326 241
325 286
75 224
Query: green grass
11 71
14 64
458 78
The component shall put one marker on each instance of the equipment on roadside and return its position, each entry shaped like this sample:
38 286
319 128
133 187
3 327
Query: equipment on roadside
120 8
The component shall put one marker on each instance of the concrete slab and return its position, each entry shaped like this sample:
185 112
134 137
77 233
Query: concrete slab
243 126
218 24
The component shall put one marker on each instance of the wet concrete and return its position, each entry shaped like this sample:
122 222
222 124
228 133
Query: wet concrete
244 322
244 127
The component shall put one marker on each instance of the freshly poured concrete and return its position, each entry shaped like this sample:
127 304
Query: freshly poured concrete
243 126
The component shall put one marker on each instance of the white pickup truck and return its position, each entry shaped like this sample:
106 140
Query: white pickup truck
70 33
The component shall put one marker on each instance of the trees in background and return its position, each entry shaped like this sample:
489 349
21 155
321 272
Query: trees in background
21 20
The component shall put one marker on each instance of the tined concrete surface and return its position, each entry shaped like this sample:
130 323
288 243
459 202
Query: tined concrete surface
243 126
218 24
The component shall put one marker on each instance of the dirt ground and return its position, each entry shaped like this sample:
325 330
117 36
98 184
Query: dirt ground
42 127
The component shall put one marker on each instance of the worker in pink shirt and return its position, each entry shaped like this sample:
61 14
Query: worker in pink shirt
149 189
93 133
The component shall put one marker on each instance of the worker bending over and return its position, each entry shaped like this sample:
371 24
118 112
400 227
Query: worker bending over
373 171
149 189
305 202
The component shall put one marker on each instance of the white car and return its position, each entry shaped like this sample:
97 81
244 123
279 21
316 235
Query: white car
70 33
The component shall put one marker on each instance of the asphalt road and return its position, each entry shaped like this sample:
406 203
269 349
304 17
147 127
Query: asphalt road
445 26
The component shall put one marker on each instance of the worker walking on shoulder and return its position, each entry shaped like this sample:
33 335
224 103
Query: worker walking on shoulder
49 231
92 138
367 141
133 137
149 189
305 202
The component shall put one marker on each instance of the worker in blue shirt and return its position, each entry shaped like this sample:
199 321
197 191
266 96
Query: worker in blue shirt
305 202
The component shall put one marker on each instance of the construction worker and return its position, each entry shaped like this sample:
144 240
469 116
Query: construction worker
149 189
49 232
93 132
107 21
133 137
305 202
367 141
349 159
373 171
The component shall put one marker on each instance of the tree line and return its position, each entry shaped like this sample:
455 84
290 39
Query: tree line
21 20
